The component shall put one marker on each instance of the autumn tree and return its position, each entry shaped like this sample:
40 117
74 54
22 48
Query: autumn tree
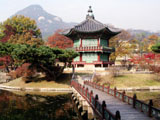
18 30
121 44
59 40
20 27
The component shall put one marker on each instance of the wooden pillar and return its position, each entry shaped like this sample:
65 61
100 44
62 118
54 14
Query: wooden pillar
98 56
118 116
134 100
91 94
108 89
81 42
96 99
150 108
86 92
115 90
98 42
103 109
123 94
80 57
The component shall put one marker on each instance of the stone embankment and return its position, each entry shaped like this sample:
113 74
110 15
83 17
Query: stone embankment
4 78
36 89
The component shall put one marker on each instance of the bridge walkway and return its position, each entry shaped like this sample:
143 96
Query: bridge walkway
127 112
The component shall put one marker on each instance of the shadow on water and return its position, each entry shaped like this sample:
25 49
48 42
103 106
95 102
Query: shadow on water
36 107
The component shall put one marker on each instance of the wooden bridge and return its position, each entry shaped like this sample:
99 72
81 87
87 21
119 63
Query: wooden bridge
111 104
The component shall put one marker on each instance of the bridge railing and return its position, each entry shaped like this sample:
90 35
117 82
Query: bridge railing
143 107
99 108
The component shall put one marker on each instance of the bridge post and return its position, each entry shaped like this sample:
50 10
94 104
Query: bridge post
108 89
96 99
91 94
103 88
134 100
83 90
115 90
86 92
150 108
123 94
118 116
103 109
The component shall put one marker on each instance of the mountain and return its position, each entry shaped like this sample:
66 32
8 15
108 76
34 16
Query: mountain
145 33
47 22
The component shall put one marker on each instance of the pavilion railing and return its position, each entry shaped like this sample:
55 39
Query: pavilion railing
94 48
99 108
137 104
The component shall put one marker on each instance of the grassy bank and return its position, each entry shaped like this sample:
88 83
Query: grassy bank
135 80
128 80
146 96
41 82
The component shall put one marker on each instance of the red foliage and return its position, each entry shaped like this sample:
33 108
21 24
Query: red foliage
60 41
5 61
148 58
9 31
20 71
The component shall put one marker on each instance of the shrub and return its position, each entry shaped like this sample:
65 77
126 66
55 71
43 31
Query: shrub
22 71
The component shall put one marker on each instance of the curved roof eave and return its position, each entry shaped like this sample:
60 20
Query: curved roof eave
107 29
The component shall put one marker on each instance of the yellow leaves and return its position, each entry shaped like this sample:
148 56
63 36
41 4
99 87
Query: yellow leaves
26 38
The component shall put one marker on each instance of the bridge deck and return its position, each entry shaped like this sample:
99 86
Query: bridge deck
113 104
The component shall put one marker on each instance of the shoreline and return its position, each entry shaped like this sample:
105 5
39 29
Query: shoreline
3 87
130 89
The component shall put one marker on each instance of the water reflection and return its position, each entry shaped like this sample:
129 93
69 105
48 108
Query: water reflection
36 107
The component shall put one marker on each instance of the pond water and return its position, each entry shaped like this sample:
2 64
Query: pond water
24 106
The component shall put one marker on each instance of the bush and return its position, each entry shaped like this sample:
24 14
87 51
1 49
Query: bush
156 71
23 71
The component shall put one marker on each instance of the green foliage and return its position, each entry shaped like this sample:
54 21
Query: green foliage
6 49
41 58
156 48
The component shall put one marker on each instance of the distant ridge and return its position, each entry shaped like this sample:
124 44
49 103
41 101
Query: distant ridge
47 22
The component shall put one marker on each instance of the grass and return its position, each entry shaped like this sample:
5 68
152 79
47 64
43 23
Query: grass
41 82
135 80
128 80
146 96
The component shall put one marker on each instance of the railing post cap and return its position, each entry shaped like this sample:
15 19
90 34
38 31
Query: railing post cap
96 97
135 96
103 103
150 102
118 116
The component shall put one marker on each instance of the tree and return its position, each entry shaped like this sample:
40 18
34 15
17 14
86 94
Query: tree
60 41
121 44
18 30
41 58
25 38
6 59
156 48
19 25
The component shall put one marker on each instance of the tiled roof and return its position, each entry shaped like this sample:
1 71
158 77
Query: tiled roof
89 25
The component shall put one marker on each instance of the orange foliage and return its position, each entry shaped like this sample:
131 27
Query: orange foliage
60 41
20 71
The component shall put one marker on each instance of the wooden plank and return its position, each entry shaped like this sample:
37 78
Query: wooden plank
113 104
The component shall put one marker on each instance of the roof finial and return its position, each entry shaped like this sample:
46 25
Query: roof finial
90 13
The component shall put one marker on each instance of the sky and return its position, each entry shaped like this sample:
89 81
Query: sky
125 14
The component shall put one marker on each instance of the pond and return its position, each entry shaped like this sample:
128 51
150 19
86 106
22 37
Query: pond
33 106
